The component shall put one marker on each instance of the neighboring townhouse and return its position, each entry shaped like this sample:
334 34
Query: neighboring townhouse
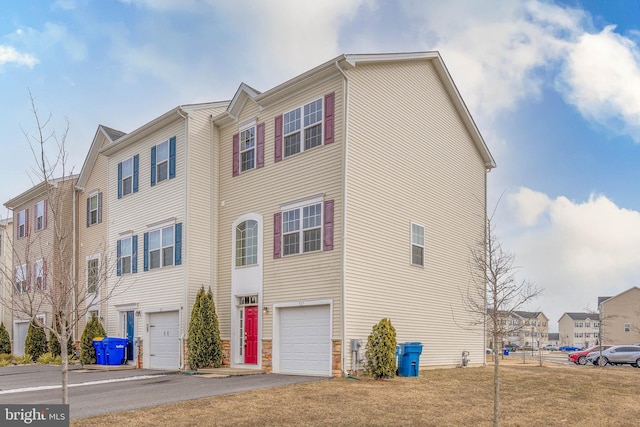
95 262
509 329
534 332
347 194
159 186
579 329
554 339
524 329
6 276
43 237
620 316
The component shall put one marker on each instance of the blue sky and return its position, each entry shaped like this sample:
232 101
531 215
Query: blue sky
554 87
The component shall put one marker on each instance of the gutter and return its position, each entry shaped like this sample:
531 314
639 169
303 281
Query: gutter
344 212
184 233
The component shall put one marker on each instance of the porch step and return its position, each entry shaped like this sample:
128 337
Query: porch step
228 372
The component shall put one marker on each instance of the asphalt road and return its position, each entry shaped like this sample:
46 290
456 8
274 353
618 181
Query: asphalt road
100 392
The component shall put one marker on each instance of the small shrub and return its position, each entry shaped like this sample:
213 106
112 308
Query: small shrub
49 359
36 342
92 329
5 356
204 346
5 341
22 360
54 343
381 348
5 362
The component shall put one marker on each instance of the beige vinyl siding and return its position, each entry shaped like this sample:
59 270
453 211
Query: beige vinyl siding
142 212
198 191
53 244
617 311
411 160
318 171
6 271
93 240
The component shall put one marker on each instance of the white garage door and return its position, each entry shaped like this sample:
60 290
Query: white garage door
164 340
20 330
305 341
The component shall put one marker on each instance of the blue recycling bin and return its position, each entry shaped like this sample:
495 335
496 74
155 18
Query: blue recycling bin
98 345
505 351
398 360
114 349
409 365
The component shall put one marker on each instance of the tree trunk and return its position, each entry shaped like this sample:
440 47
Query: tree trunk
64 339
496 385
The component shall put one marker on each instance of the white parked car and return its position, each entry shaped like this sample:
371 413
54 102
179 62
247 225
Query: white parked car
617 355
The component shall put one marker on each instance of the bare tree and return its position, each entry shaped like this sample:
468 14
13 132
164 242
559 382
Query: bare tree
495 293
44 274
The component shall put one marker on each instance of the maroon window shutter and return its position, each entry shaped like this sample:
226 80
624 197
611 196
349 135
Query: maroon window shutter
278 139
329 109
44 214
277 234
26 222
236 154
260 146
328 225
44 274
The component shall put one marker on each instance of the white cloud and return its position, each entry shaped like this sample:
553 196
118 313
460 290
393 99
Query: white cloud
602 79
496 50
580 251
9 55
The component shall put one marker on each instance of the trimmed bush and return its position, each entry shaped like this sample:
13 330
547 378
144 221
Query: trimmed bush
381 348
204 346
5 341
36 342
49 359
92 329
54 344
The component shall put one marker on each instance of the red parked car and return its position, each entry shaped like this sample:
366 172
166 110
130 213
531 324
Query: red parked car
580 357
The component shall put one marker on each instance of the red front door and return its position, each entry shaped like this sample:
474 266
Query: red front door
251 335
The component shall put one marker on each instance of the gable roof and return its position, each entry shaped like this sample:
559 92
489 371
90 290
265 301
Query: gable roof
36 190
583 316
607 299
111 135
337 66
181 112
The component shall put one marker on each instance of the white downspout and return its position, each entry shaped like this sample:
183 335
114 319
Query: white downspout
184 306
344 213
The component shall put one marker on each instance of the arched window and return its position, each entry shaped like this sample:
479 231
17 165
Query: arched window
247 243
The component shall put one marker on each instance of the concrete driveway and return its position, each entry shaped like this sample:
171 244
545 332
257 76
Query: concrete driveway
94 392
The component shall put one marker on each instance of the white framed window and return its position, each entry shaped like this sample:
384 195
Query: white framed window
302 128
22 223
247 243
587 325
40 221
162 161
38 274
417 244
127 176
93 312
248 149
161 251
578 324
94 207
596 324
93 274
578 334
302 229
126 255
627 327
21 278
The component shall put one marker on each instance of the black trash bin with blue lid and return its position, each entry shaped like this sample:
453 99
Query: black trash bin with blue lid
114 349
409 360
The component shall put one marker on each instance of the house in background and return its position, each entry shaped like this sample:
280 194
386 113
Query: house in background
579 329
158 189
523 328
620 316
554 339
43 235
345 195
